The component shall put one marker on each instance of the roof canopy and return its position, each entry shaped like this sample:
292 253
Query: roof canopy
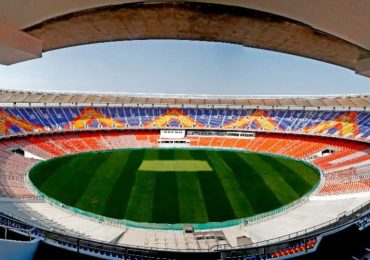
25 97
334 31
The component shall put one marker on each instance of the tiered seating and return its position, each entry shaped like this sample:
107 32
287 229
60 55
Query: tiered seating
13 166
349 187
147 139
297 147
287 252
91 141
21 120
346 170
12 170
349 179
58 145
302 147
301 247
44 144
346 149
204 142
229 142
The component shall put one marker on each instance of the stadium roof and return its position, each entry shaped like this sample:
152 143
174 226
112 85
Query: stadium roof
334 31
26 97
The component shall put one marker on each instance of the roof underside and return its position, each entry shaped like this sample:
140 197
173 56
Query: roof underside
19 97
332 31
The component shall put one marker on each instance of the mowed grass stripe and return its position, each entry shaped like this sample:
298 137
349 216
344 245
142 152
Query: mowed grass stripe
141 202
239 201
109 183
183 154
46 169
273 179
216 201
300 177
119 196
142 194
95 194
151 154
166 154
191 201
64 178
166 202
254 187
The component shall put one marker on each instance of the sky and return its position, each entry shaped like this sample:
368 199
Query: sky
180 67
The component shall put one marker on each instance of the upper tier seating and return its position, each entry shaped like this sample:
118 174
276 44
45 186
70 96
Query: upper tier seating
23 120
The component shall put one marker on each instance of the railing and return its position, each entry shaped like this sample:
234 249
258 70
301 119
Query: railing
334 224
203 226
342 220
32 222
314 231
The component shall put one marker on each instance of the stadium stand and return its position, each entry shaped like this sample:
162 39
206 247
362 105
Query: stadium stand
336 142
346 170
301 247
21 120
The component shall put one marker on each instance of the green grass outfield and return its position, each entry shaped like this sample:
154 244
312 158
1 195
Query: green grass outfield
198 186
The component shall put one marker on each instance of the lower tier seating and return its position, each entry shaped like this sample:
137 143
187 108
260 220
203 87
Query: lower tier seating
346 168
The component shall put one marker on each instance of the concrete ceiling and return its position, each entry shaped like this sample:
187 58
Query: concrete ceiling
340 28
